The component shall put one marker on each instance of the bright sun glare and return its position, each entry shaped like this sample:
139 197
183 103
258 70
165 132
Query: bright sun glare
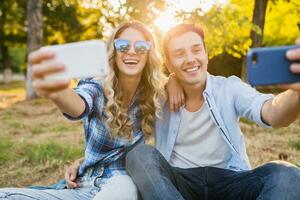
167 20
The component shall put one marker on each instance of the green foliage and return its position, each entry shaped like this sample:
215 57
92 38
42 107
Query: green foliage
227 27
17 55
61 23
282 22
12 29
146 10
12 20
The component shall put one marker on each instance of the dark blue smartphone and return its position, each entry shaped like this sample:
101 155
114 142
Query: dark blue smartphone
269 66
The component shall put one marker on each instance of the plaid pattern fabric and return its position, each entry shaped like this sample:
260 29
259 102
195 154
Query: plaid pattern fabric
99 145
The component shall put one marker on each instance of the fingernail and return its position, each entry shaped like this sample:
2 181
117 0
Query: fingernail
61 66
50 53
291 53
295 67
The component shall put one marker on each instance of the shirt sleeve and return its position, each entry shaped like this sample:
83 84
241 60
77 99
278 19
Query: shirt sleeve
249 102
92 94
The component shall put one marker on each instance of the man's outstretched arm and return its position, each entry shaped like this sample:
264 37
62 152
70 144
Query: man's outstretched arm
285 107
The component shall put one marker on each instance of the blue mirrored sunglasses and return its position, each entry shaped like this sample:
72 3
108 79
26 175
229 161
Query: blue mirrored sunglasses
140 47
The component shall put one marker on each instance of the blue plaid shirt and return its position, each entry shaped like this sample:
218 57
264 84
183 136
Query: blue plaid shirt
99 145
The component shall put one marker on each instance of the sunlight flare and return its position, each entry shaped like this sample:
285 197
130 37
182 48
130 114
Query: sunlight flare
166 20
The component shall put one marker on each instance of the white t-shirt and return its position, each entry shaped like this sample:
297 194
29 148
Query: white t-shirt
199 142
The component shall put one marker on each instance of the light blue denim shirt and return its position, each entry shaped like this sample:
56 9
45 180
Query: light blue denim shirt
228 99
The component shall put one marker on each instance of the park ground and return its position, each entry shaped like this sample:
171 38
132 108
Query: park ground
37 143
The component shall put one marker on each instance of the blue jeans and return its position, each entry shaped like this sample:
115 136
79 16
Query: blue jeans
49 194
88 189
156 179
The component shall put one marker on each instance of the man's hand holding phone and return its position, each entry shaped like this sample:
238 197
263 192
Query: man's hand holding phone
273 65
293 55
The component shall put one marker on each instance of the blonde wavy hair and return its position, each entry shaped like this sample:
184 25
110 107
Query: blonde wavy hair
151 88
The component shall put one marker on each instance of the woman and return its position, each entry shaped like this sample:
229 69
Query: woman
117 113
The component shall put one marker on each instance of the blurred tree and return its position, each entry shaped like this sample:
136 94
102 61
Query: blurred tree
115 12
145 11
228 26
282 25
257 30
34 37
258 20
61 23
12 32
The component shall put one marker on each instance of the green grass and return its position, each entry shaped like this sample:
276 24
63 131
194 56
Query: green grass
246 121
37 130
38 102
8 115
41 153
16 125
12 87
37 153
58 128
294 143
6 146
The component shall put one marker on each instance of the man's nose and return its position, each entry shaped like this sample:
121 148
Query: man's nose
190 58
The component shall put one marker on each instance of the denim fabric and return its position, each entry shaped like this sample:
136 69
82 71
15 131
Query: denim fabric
89 188
49 194
156 179
91 182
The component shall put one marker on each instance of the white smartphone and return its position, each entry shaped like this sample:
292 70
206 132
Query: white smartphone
81 59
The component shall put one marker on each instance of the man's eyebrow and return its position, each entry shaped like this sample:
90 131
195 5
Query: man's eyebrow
178 50
197 45
182 49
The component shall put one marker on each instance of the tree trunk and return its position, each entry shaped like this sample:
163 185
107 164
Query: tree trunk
34 37
7 73
257 30
258 20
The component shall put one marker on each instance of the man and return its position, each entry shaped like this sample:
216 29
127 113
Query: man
201 152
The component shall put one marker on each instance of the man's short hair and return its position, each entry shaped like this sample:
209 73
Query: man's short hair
179 30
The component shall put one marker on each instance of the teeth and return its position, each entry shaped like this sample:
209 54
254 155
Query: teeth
192 69
130 61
